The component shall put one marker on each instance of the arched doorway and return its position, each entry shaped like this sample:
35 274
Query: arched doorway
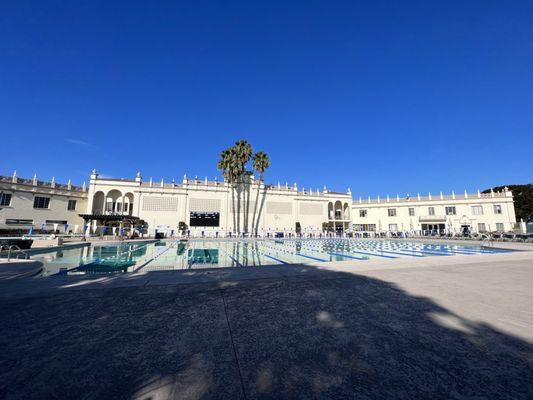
127 209
346 212
338 210
113 202
98 203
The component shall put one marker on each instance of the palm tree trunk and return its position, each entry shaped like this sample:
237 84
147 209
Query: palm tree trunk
246 195
244 219
254 222
239 191
261 208
248 189
233 206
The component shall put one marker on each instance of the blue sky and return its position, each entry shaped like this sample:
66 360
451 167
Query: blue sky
380 96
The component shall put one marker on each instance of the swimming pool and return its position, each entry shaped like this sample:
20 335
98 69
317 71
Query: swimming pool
194 254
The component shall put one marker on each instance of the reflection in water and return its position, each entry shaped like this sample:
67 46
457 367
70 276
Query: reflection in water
171 255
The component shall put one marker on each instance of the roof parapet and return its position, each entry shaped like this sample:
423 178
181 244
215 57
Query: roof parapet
442 197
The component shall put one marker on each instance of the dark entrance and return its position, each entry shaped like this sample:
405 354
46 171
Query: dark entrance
429 229
205 219
465 229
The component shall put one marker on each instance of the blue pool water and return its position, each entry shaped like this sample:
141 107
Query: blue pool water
172 255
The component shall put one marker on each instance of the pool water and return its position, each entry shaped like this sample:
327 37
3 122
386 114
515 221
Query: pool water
194 254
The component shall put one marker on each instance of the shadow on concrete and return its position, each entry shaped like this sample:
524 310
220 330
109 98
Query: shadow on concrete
316 334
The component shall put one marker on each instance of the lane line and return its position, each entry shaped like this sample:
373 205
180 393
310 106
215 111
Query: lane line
347 256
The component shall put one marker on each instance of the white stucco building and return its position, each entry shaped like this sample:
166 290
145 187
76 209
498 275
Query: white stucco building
31 203
208 207
454 213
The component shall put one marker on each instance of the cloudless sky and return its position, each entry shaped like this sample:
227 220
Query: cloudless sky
379 96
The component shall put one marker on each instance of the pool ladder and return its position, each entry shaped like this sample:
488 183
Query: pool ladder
13 248
488 241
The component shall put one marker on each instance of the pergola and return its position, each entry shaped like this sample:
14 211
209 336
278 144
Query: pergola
105 219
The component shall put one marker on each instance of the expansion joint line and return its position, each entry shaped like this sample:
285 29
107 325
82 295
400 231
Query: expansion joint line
233 344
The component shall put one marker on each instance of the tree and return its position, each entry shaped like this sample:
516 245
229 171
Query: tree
232 163
243 154
226 164
523 200
261 163
182 227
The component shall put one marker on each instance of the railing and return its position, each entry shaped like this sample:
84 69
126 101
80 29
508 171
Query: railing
10 249
488 240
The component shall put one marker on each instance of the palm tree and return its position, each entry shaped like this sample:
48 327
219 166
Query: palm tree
243 154
235 173
232 164
261 162
226 166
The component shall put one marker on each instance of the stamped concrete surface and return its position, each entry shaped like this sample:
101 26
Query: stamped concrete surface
456 331
16 269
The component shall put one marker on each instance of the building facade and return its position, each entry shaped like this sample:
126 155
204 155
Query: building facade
211 208
480 212
27 204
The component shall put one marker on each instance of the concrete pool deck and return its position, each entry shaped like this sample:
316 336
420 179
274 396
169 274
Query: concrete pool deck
17 269
436 327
